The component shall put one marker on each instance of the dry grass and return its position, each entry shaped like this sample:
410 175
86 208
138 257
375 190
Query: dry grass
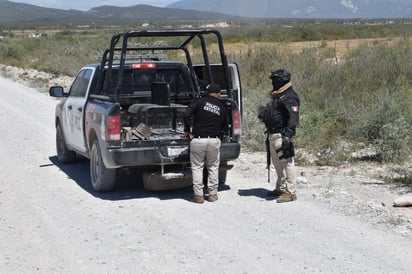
340 47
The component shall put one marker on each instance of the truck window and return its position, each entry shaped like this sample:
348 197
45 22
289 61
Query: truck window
139 81
175 78
133 81
80 84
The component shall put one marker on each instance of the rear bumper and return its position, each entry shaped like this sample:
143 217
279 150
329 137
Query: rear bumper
160 155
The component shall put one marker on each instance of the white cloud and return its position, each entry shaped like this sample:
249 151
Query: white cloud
311 9
349 4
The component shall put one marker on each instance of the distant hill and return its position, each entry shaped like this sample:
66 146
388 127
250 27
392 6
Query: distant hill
303 8
18 13
188 11
23 14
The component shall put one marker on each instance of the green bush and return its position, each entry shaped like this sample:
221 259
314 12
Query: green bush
394 141
365 98
12 52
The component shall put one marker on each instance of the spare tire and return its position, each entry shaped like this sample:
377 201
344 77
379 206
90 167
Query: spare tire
156 182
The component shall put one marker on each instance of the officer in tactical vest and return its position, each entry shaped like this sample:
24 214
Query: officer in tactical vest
281 117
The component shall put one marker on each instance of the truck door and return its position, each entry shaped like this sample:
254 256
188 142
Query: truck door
74 109
218 78
236 86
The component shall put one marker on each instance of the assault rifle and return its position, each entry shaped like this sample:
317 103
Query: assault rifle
268 154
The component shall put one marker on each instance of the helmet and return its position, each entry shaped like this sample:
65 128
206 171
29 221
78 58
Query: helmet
280 76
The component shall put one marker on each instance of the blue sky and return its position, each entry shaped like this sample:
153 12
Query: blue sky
88 4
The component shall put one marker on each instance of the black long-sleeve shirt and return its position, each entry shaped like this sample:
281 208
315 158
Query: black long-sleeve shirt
208 116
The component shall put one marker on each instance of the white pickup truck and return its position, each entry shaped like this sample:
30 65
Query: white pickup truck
127 111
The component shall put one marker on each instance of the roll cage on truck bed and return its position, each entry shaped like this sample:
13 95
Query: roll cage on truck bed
120 44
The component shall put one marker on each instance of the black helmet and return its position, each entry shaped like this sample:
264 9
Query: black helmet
280 76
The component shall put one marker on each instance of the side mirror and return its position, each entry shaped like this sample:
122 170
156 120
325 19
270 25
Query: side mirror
57 91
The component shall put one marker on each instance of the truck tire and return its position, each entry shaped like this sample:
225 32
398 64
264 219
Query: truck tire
64 154
102 178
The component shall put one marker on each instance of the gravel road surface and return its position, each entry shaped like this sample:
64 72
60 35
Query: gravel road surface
51 221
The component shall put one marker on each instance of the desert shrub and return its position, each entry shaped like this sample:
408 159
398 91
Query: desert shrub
394 141
377 98
74 52
404 174
313 30
306 69
63 53
12 52
253 130
366 97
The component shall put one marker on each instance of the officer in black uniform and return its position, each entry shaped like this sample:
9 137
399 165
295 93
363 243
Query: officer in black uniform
209 119
281 117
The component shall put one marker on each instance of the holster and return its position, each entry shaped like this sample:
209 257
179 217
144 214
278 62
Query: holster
287 152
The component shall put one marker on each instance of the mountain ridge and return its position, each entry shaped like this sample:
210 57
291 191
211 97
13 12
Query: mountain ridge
13 13
22 14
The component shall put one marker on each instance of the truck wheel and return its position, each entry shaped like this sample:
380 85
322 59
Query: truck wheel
103 179
64 155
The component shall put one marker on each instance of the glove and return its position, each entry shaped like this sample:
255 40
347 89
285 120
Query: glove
285 142
287 148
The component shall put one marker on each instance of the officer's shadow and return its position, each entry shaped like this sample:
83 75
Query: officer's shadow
257 192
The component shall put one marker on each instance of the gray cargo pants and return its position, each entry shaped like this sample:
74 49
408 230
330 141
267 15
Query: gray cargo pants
205 152
285 168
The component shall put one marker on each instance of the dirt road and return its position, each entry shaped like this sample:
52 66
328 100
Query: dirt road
52 222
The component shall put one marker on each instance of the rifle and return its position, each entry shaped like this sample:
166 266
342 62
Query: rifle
268 154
